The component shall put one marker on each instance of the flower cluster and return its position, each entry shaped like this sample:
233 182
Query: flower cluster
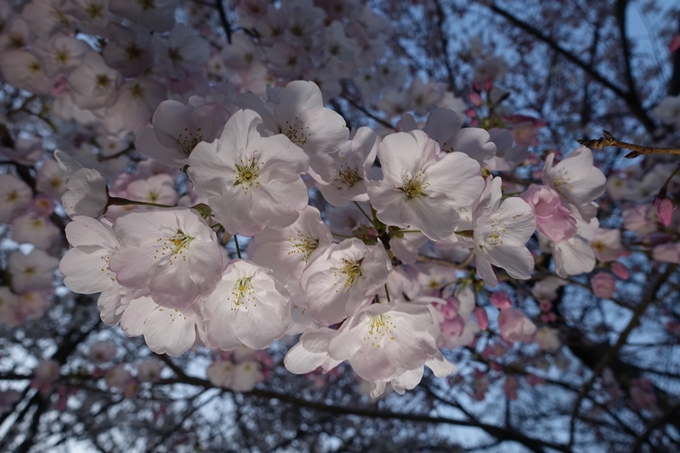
337 222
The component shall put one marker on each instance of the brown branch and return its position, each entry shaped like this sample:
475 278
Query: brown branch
657 423
223 19
441 262
611 353
621 7
536 445
637 150
630 99
367 113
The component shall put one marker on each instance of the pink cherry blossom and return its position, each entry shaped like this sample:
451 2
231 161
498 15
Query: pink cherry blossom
603 285
553 220
515 326
664 209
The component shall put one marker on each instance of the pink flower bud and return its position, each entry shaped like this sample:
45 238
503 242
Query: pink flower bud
482 317
488 85
453 327
675 44
476 99
501 300
450 310
620 271
664 209
548 317
534 380
603 285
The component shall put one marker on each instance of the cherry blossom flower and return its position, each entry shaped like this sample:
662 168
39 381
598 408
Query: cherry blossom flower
352 164
343 278
311 352
184 53
158 15
171 254
548 339
668 110
35 230
507 155
515 326
444 127
129 49
51 179
22 69
607 244
9 307
603 285
319 131
45 374
31 272
177 129
171 331
553 220
575 256
15 196
248 306
286 252
250 181
87 194
102 352
419 191
382 339
577 181
149 370
92 83
501 228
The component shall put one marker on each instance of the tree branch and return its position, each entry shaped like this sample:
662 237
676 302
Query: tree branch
609 140
223 18
630 99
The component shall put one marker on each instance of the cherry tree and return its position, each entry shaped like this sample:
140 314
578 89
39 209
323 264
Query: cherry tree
335 225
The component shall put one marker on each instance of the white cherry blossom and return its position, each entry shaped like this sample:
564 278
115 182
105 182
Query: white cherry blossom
577 181
501 230
319 131
248 306
173 255
343 278
15 197
418 190
383 339
171 331
31 272
251 182
352 164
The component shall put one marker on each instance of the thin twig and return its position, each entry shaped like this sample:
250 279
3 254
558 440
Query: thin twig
609 140
629 98
223 19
